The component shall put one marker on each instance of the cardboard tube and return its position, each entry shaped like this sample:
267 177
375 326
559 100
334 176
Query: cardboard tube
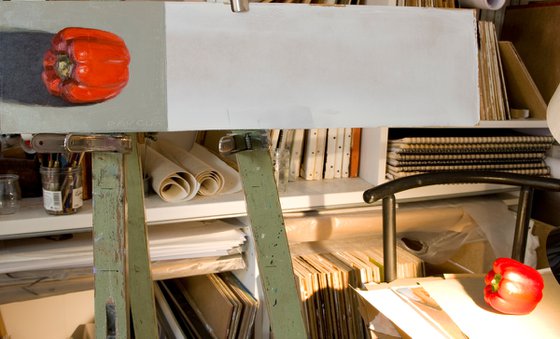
327 227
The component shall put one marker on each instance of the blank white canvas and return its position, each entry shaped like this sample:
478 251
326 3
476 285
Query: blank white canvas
301 66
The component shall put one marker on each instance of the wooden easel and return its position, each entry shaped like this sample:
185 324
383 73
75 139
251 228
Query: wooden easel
123 284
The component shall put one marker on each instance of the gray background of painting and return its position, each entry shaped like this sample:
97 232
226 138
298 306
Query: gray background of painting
141 106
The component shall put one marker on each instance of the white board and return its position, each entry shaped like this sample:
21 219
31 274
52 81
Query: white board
198 66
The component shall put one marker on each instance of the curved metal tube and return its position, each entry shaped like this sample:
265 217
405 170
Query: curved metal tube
459 177
387 191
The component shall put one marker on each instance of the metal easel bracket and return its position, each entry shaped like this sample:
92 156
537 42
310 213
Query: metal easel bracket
238 6
243 141
58 143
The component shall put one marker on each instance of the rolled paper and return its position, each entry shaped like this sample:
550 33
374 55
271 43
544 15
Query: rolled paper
170 181
211 181
232 179
483 4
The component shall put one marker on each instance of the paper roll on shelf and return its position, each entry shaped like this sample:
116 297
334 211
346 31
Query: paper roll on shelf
483 4
232 179
330 227
170 181
211 181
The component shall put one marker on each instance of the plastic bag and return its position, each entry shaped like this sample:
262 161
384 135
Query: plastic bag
437 247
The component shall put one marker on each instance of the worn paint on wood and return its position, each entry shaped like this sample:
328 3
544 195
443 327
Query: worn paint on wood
271 244
109 241
142 305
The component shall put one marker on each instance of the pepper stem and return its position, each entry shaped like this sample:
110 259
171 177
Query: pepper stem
63 67
496 282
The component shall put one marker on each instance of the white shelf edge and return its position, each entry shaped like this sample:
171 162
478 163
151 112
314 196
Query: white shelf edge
301 196
32 220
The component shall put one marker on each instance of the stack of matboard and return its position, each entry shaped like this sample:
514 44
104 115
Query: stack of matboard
205 306
326 281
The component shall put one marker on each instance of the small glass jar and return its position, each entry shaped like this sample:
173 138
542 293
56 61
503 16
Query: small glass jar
10 193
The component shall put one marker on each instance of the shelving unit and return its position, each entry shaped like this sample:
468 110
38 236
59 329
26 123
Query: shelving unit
302 195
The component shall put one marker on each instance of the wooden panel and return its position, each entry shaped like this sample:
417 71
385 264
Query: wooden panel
533 31
199 66
26 29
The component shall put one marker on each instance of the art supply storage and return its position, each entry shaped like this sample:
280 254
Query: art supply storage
458 107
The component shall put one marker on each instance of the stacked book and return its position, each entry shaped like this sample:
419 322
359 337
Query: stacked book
521 154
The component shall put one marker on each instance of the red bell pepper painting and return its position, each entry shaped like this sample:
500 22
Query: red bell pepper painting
86 65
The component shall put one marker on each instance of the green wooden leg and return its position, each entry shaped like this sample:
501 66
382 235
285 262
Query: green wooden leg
109 230
142 305
271 244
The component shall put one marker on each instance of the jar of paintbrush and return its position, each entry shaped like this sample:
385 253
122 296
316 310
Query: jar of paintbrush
62 187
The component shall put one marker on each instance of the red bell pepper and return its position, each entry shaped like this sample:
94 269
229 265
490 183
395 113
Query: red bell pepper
513 287
86 65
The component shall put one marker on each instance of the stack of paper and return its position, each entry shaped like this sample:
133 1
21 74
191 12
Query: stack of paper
462 298
454 307
166 242
205 306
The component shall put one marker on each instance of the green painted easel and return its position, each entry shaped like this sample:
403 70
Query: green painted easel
123 284
121 260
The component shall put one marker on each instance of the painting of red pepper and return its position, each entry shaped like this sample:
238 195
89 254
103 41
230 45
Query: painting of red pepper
86 65
513 287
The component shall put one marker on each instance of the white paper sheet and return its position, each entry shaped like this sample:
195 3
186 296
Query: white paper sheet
462 298
386 301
